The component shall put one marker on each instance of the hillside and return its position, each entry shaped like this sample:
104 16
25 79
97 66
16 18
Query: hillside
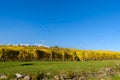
26 53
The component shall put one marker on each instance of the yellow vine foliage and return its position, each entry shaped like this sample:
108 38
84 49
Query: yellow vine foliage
24 53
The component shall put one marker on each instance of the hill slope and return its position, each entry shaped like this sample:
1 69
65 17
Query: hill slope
24 53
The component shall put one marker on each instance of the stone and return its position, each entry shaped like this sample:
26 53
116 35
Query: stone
82 78
49 73
63 76
3 77
108 69
75 78
27 77
57 77
101 74
19 75
118 73
16 79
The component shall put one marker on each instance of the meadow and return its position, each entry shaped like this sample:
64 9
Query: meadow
55 67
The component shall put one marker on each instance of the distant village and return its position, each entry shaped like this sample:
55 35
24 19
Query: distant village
37 45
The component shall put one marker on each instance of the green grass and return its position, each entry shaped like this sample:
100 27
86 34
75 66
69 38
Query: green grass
116 78
34 67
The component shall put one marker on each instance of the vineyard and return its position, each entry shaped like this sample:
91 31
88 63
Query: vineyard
54 63
28 53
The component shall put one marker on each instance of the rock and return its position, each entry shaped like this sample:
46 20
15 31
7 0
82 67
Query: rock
63 76
16 79
3 77
27 77
108 69
49 73
101 74
76 78
92 74
82 78
118 73
19 75
57 77
45 78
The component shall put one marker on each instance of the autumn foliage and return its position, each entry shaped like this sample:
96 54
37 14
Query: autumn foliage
24 53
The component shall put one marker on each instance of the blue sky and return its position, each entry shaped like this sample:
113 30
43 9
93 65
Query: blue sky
82 24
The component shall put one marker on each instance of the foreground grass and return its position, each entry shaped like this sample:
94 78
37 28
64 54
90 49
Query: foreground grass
34 67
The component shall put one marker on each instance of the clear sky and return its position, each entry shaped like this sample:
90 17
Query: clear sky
82 24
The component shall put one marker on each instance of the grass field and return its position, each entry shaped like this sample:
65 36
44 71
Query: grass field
55 67
33 67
